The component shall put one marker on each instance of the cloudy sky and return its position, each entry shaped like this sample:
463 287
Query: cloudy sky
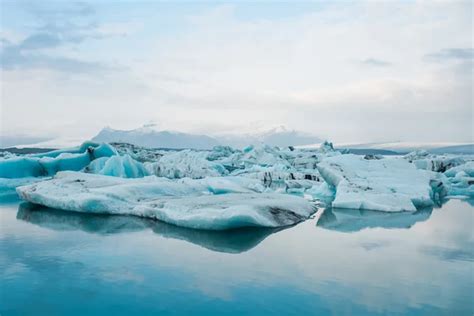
348 71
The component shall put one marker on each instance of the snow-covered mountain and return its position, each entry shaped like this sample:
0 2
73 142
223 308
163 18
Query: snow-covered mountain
149 136
276 136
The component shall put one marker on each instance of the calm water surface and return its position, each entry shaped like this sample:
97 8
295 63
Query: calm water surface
339 262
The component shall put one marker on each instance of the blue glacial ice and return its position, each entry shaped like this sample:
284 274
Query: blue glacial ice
438 163
117 166
461 180
21 170
186 163
388 184
47 164
228 188
190 203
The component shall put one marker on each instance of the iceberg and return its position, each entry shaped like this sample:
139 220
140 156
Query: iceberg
141 154
186 163
461 180
117 166
47 164
214 204
424 160
391 185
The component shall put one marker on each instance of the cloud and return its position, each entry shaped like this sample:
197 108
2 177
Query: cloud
315 71
59 26
53 11
373 62
452 54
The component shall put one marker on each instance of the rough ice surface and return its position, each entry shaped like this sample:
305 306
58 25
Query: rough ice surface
187 163
47 164
390 185
188 203
141 154
438 163
227 188
117 166
461 179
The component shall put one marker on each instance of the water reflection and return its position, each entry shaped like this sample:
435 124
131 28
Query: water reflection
351 220
231 241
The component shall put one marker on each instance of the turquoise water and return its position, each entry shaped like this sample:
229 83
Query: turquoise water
339 262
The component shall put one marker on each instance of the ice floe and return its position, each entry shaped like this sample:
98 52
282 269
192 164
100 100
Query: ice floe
390 185
189 203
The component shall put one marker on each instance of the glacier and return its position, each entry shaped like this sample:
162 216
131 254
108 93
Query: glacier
187 203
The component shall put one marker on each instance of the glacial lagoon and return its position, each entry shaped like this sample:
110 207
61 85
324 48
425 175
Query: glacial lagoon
338 262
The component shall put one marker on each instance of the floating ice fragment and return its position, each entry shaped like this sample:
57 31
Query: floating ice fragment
390 185
187 203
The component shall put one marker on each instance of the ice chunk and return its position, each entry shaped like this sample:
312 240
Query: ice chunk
321 191
48 164
186 163
184 203
8 186
118 166
141 154
219 152
468 168
105 150
390 185
424 160
326 147
262 155
461 180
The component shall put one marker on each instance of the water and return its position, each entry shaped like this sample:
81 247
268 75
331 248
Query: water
339 262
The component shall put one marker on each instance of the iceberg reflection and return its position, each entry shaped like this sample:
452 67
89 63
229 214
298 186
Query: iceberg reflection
230 241
351 220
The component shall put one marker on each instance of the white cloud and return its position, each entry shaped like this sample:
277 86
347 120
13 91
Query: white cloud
304 71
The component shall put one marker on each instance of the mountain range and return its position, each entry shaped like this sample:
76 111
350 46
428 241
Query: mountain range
150 136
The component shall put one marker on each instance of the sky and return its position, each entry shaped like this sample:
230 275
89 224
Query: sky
347 71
